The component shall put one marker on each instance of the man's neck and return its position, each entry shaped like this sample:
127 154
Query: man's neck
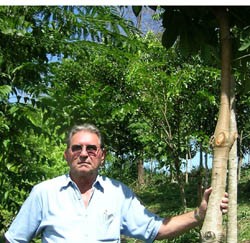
84 182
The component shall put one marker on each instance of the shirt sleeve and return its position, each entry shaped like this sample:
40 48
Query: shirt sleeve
25 225
137 221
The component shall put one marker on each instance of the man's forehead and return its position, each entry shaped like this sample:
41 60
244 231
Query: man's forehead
85 136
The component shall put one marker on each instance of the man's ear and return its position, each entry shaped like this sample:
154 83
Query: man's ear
66 155
103 156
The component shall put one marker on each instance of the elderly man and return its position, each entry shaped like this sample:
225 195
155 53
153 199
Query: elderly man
83 206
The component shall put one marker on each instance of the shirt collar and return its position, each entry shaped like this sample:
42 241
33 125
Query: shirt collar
67 181
98 184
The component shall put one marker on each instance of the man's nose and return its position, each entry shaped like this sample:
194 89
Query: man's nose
84 151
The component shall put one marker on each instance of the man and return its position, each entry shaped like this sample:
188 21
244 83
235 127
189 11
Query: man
83 206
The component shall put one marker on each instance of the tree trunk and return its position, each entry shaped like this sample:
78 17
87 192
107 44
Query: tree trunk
232 232
190 159
241 156
140 168
186 174
212 229
206 171
200 176
180 183
172 174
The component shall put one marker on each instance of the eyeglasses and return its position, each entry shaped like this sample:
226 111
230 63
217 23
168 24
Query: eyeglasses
90 149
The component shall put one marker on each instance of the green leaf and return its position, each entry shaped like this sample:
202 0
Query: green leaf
4 90
35 118
245 45
171 23
13 109
136 10
12 168
6 143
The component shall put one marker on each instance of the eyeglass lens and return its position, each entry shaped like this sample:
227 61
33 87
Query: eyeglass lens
77 148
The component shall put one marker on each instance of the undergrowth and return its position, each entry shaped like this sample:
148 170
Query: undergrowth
162 197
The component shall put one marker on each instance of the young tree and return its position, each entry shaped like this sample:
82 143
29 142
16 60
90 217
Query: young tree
170 95
197 31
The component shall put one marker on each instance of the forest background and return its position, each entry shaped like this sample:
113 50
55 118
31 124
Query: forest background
64 65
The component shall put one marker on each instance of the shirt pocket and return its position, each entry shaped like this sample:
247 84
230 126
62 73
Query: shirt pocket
108 229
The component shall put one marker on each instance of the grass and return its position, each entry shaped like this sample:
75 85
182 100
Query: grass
244 206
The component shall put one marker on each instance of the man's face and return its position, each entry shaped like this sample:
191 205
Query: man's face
84 156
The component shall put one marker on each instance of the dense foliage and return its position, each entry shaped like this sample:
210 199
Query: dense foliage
61 66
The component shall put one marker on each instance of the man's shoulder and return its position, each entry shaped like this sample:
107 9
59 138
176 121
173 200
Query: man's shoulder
53 183
113 184
110 181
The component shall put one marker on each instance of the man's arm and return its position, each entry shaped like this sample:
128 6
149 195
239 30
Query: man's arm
177 225
174 226
26 222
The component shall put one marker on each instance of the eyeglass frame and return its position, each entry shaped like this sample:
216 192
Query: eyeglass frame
92 151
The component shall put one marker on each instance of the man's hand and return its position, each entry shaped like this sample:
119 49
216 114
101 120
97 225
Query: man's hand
224 203
204 203
176 225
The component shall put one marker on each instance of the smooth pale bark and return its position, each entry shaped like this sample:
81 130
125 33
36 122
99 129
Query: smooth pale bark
241 156
232 232
212 229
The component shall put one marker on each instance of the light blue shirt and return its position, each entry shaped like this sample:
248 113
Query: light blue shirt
55 209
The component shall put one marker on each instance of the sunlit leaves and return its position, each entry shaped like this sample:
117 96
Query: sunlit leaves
4 91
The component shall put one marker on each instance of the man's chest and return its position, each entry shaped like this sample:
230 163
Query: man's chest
68 215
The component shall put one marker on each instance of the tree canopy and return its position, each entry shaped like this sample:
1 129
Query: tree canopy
66 65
